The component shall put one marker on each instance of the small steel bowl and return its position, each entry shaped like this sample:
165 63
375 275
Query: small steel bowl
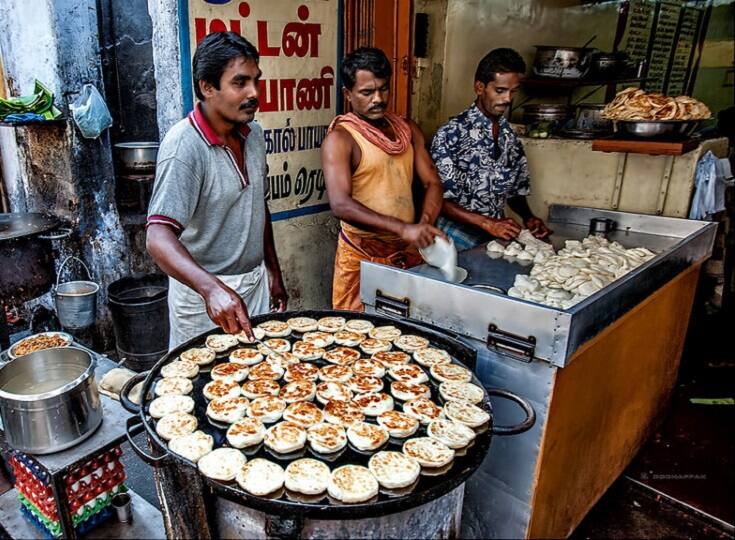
649 129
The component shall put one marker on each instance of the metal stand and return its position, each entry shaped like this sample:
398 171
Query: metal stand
111 433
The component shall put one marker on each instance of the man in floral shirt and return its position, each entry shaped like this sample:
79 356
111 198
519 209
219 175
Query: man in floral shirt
481 160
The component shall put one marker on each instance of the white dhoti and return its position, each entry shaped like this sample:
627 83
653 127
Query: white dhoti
187 312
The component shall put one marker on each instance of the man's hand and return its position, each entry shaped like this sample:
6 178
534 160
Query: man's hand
279 297
226 309
506 228
537 227
420 235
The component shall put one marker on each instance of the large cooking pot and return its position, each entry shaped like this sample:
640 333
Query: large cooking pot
588 123
427 488
547 112
138 157
49 400
562 62
27 269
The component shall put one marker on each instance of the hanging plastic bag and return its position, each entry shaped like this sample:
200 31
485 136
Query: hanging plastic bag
90 112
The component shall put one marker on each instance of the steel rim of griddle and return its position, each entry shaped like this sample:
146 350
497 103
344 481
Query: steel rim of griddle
324 509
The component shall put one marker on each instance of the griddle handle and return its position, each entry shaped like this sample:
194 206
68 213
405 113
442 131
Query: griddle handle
524 347
529 421
125 401
134 425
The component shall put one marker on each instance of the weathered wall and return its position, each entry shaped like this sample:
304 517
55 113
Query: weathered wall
55 170
127 63
305 244
428 86
714 84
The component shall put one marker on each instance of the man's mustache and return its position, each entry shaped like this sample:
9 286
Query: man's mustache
250 104
378 108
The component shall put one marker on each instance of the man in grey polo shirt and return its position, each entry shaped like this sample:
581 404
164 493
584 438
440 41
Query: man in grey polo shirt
208 225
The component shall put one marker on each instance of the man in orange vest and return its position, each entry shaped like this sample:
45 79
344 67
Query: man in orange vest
369 157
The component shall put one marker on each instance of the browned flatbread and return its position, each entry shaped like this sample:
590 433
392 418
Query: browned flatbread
391 358
302 371
343 413
303 413
342 356
298 391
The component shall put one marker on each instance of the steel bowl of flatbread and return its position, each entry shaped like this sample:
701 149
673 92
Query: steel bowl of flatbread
649 129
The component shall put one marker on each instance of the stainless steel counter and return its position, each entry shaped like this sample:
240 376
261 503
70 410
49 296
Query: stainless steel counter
524 347
552 334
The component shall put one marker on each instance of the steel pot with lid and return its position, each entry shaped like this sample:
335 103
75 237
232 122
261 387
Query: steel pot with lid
49 400
138 157
562 62
547 112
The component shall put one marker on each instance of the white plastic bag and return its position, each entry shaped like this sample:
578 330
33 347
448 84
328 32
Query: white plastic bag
90 112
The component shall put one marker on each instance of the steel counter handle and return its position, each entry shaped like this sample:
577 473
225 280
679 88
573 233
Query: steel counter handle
133 427
125 401
527 423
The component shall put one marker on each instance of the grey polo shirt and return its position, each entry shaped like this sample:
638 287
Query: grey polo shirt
217 210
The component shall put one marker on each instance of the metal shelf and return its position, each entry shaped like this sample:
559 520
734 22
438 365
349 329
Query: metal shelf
146 523
54 122
549 82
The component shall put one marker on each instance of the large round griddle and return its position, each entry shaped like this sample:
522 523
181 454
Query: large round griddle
426 489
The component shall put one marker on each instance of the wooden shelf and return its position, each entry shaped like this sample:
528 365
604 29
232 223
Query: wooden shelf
641 146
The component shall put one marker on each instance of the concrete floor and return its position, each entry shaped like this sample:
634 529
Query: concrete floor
682 482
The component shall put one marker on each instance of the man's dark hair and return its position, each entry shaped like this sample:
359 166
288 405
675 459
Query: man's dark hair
213 54
367 58
499 61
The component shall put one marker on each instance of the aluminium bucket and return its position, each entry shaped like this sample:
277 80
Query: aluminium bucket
76 301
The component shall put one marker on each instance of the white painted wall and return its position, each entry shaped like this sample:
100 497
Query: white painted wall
29 52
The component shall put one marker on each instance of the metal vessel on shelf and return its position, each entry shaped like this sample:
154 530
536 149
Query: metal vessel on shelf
137 157
562 62
607 65
588 123
524 346
547 112
280 509
649 129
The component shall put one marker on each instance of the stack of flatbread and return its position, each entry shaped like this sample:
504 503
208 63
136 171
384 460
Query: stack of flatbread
636 104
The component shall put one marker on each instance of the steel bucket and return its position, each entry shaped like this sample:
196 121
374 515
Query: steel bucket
76 301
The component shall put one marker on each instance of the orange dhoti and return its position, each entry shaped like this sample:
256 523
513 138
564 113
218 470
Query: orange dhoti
353 249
